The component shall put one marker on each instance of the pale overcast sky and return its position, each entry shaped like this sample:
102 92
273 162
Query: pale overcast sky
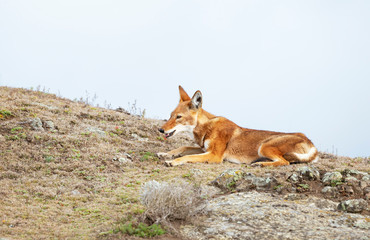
275 65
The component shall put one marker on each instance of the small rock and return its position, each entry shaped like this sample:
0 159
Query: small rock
76 192
330 191
48 124
2 138
294 178
309 173
349 189
351 180
353 205
367 196
123 160
36 124
366 178
98 131
196 172
363 184
331 177
127 155
265 183
228 179
355 173
137 137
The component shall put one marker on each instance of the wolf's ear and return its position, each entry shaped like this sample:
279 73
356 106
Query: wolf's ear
183 95
196 101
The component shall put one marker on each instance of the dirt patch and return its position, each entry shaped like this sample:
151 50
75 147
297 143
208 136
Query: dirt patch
80 171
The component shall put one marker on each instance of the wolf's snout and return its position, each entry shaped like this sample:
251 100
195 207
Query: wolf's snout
161 130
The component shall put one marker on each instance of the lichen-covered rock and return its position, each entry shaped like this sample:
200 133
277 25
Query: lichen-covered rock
126 159
265 183
351 180
97 131
294 178
353 205
229 179
330 191
309 173
366 178
140 139
49 124
367 196
355 173
36 124
363 184
330 178
238 180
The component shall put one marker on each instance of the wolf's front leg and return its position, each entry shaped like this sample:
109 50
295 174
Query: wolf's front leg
204 157
181 151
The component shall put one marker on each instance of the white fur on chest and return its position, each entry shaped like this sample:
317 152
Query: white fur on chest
206 145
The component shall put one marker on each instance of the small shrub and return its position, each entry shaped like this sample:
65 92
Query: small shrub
49 158
140 230
160 138
335 183
304 186
188 175
4 114
168 201
16 129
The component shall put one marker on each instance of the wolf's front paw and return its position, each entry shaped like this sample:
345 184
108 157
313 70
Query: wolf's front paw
256 165
162 155
168 163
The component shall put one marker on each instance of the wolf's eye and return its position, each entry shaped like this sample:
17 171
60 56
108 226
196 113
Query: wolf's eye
178 116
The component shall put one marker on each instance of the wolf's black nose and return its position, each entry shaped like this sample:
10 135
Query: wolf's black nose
161 130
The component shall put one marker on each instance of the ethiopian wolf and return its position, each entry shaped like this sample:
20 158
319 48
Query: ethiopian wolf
220 139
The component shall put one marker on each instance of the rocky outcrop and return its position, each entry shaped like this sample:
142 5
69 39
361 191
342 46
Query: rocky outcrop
353 205
238 180
256 215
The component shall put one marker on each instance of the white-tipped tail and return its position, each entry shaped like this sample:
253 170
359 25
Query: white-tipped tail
309 156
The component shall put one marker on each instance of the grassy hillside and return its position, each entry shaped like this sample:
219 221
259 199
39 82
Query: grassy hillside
70 170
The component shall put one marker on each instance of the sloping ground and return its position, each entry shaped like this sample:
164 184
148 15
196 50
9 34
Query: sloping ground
69 170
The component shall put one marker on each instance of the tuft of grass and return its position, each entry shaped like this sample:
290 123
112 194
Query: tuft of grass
168 201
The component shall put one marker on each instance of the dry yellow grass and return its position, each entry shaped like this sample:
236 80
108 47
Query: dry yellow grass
64 182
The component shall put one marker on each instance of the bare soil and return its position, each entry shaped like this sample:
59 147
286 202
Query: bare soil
71 181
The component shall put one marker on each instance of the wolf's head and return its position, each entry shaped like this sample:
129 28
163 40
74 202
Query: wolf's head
184 117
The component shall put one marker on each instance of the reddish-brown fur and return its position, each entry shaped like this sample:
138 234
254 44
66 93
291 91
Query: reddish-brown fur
220 139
